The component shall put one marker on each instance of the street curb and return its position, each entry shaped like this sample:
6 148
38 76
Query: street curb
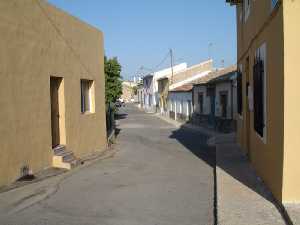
216 216
43 189
280 207
84 162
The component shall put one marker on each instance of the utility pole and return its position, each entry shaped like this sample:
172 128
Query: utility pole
210 50
171 56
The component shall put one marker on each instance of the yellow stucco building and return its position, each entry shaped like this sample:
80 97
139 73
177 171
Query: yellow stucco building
51 87
268 37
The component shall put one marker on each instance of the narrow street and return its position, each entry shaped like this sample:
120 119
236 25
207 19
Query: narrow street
160 175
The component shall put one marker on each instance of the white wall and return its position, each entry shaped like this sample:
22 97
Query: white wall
181 100
219 88
206 100
190 79
166 73
218 110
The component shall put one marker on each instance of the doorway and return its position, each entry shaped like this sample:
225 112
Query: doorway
57 111
223 103
211 93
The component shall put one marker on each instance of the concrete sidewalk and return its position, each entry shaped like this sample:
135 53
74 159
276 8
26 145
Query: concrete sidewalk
293 211
242 196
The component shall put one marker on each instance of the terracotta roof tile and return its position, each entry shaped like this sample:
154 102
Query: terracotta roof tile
183 88
215 74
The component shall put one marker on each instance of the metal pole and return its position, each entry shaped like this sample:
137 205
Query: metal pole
171 56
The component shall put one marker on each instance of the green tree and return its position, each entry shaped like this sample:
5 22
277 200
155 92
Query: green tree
113 82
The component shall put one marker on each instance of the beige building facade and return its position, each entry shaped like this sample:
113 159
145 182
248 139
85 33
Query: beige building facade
51 87
268 122
128 88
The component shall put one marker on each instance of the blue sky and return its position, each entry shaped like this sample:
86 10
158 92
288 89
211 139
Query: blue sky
140 32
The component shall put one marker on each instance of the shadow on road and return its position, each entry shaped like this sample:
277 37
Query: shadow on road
233 162
120 116
196 143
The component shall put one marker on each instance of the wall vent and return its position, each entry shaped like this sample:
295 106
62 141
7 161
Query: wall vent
26 174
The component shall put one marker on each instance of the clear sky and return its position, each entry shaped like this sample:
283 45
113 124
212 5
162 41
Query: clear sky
140 32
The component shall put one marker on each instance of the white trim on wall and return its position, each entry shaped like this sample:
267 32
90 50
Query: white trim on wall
262 53
246 9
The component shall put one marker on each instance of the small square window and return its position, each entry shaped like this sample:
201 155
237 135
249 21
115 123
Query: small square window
87 96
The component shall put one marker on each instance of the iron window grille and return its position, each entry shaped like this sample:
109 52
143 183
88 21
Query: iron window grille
258 92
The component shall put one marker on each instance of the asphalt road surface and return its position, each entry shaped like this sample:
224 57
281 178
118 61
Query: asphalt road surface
161 175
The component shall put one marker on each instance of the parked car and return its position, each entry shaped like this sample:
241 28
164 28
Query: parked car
120 104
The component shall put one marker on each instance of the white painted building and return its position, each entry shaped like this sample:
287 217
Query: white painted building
180 103
148 103
191 74
202 104
215 97
165 73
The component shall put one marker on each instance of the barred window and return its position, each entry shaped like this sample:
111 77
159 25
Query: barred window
240 92
274 3
259 91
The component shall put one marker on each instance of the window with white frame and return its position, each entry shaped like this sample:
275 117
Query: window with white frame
87 96
260 91
247 5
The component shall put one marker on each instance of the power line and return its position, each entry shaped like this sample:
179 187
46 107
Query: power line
162 61
143 68
153 69
59 32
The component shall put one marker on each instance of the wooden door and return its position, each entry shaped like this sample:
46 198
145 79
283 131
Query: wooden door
54 95
223 102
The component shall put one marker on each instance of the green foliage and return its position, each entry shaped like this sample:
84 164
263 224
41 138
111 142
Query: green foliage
134 90
113 82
